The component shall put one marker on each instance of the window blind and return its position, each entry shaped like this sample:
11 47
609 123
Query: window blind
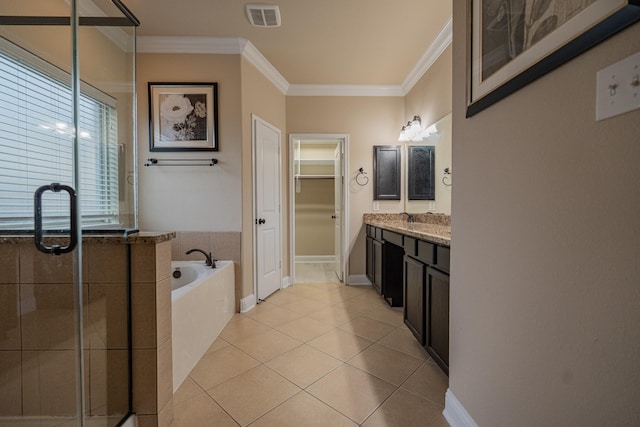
36 148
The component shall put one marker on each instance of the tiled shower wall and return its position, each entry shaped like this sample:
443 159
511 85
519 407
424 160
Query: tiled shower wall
37 356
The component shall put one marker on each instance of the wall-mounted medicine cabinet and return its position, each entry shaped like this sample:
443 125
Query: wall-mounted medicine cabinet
386 171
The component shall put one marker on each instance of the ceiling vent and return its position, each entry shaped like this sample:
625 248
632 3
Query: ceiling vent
263 15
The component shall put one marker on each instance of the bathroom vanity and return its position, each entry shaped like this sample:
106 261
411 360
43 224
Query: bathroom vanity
408 264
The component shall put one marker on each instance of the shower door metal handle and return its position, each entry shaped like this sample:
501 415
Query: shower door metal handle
39 234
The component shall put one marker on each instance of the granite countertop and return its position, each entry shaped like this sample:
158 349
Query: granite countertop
434 228
143 237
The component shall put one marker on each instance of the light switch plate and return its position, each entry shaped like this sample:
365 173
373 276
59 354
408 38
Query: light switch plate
376 206
618 88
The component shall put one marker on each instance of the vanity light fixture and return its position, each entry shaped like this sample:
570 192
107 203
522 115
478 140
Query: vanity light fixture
404 137
412 129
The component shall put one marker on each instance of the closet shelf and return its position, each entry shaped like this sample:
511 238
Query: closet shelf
315 162
304 176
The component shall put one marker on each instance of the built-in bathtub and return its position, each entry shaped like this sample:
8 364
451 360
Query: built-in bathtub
202 302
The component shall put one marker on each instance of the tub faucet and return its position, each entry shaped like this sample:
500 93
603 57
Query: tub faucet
208 261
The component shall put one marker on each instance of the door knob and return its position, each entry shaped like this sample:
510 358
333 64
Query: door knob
333 217
261 221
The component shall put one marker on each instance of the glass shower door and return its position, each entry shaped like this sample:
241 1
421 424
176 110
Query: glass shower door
41 345
64 347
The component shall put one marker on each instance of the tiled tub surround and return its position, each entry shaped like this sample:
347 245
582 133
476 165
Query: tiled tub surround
435 228
37 369
222 245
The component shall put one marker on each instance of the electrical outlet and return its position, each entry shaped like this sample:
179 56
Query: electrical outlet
376 206
432 206
618 88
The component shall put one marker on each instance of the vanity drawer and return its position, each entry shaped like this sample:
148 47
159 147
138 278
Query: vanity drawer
391 237
426 252
442 258
410 246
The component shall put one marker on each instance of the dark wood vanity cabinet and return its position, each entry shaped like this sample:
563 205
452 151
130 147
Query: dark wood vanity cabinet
384 264
370 272
374 257
414 297
437 317
426 289
377 265
413 273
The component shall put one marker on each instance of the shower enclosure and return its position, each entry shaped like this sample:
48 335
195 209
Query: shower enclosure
67 185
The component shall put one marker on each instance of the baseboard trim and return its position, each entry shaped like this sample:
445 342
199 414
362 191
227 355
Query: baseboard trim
315 258
247 303
454 412
358 280
286 282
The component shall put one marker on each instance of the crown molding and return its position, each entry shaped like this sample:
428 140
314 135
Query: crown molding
209 45
241 46
344 90
214 46
255 57
433 52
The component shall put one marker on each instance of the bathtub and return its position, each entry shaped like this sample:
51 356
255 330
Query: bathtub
202 302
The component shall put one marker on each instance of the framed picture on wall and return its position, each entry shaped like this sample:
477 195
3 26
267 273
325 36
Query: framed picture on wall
183 117
513 42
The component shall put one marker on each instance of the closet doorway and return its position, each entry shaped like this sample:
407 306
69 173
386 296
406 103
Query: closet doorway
318 208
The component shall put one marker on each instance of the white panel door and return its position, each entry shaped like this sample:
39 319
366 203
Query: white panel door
267 213
338 209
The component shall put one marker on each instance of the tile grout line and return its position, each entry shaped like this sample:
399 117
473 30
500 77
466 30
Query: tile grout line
327 303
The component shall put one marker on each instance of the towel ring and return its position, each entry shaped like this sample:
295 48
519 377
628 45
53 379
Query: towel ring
365 178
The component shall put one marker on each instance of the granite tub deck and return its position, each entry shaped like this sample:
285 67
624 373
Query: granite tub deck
435 228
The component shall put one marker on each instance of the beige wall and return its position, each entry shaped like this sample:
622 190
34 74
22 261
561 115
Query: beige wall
430 99
315 229
218 199
368 121
546 241
262 98
192 198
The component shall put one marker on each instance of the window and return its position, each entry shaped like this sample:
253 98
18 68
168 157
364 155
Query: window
36 145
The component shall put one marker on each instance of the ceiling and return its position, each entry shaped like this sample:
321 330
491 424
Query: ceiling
320 42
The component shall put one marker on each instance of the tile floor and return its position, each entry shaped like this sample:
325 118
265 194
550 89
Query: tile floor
320 354
315 272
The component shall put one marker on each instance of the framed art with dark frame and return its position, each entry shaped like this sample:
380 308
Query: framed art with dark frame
514 42
183 117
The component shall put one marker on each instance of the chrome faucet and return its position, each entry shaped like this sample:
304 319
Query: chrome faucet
208 260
